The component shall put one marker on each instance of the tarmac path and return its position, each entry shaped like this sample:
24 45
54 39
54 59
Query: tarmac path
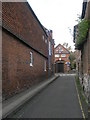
58 100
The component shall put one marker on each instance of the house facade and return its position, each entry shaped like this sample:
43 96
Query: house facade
62 62
51 43
24 48
83 49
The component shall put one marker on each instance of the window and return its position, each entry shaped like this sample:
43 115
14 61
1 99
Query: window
46 41
31 59
43 37
56 55
59 50
50 48
45 65
63 55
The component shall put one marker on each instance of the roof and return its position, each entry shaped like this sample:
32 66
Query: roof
83 9
65 51
36 17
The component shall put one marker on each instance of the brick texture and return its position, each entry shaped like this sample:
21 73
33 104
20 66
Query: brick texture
22 33
21 21
16 71
63 59
86 56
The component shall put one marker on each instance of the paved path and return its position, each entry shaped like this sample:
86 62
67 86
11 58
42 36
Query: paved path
57 100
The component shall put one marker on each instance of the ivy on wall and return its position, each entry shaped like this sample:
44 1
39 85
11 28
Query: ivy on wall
83 27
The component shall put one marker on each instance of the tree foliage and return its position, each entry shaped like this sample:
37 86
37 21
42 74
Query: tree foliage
66 45
83 27
72 60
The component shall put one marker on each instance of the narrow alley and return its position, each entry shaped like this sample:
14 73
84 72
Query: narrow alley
45 59
57 100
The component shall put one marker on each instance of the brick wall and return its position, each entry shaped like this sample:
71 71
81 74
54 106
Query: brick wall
85 66
19 18
16 71
64 59
85 57
89 52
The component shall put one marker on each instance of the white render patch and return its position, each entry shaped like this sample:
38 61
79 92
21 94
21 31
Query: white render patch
86 84
89 89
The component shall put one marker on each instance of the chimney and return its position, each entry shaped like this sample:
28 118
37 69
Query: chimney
51 33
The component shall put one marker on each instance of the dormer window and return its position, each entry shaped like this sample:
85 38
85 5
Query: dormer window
62 50
59 50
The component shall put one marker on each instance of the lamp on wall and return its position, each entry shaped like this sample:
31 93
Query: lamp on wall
60 59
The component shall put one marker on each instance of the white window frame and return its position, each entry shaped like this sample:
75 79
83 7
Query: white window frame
43 37
56 55
31 59
63 55
46 41
50 51
45 65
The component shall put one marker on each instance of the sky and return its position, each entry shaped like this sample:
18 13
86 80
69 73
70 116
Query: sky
59 16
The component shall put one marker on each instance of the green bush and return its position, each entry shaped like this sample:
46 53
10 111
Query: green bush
83 27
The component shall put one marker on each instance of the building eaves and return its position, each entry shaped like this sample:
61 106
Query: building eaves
22 40
57 46
36 17
63 47
83 9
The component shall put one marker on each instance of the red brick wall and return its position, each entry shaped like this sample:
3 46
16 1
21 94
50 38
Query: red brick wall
64 59
86 55
85 66
17 73
19 18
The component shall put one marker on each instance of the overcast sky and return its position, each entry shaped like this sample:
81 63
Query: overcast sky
59 16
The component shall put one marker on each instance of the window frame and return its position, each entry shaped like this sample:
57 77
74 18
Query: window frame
63 55
50 51
45 65
56 55
31 59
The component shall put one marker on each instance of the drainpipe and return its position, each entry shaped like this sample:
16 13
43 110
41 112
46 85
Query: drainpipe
48 58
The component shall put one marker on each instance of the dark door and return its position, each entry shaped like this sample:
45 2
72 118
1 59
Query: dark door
61 67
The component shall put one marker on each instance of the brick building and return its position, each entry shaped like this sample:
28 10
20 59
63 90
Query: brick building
51 67
84 50
24 48
61 59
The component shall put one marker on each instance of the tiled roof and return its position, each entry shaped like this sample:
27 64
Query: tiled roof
62 50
